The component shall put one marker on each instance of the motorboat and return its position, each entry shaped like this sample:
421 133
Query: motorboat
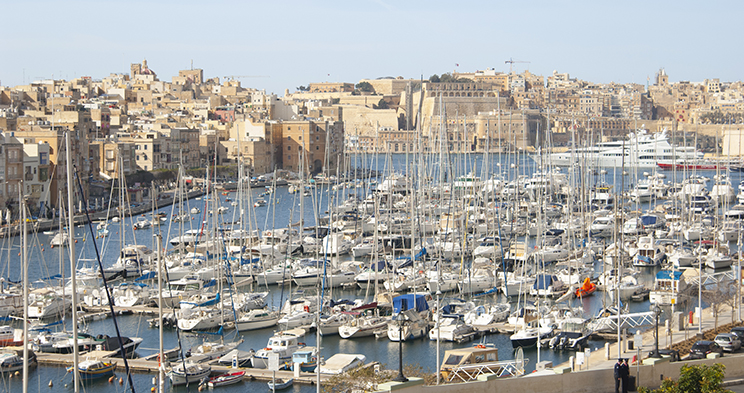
649 253
189 237
329 324
8 337
451 327
297 318
547 285
280 383
60 239
670 287
283 344
407 325
203 318
226 379
182 374
210 350
91 369
237 358
489 247
12 361
464 364
484 315
640 150
528 336
682 257
307 359
363 326
45 304
257 319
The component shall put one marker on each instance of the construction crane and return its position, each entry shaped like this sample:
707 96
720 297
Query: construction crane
511 63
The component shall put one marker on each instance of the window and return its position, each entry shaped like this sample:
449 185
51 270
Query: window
289 148
317 147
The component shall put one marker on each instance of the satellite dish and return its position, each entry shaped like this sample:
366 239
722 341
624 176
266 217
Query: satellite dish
519 358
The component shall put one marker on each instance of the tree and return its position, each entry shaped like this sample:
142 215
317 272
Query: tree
365 87
382 104
364 378
448 78
716 297
694 379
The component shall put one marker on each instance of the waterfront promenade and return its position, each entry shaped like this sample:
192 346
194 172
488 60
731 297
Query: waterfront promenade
596 374
80 219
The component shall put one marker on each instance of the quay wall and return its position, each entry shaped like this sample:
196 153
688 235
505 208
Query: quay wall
591 381
80 219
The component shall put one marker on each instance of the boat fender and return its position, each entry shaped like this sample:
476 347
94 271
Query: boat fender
480 346
303 344
268 233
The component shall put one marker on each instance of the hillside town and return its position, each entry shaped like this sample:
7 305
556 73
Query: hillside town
123 124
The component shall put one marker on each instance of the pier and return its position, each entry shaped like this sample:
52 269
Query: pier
151 365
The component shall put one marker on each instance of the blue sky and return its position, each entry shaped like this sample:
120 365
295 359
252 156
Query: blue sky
298 42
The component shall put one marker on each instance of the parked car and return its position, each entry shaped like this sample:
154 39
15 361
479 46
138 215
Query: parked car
739 331
670 353
729 342
702 348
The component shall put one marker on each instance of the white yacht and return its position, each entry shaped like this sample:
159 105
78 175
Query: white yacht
284 344
639 150
362 327
451 327
257 319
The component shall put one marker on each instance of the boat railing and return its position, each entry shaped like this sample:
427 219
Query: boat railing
502 369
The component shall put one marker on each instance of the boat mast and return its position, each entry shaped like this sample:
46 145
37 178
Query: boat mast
24 240
161 356
70 238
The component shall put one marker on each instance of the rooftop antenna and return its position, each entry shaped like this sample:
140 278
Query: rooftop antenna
192 64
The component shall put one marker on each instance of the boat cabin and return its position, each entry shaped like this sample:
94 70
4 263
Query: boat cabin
467 359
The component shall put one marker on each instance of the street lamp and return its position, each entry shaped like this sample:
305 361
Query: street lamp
657 311
400 377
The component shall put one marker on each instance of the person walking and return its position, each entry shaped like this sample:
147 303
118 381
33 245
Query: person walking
618 374
626 375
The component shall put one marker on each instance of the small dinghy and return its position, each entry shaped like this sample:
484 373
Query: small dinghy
226 379
280 384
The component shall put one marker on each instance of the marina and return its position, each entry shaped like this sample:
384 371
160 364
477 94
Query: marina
547 244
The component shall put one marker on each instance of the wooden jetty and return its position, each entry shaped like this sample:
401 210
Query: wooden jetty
151 365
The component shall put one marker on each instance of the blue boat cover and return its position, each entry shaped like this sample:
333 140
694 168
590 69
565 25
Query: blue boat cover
407 302
543 281
147 276
668 275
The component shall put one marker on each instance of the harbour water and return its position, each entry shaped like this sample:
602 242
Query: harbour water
282 208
